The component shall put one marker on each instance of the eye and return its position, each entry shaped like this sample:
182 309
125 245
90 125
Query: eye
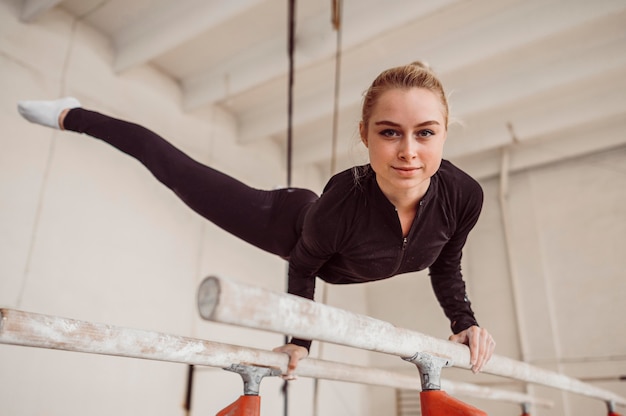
425 133
389 133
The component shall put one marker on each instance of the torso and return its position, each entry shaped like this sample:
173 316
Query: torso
354 233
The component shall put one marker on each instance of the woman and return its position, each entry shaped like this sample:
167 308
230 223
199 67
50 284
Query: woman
407 210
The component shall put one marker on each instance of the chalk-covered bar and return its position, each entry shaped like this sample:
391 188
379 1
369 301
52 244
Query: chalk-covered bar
52 332
226 301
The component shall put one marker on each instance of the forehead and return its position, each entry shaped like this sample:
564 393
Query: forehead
412 104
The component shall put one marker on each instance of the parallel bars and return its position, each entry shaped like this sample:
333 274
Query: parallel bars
51 332
230 302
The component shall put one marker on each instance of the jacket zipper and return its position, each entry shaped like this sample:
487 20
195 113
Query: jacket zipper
405 240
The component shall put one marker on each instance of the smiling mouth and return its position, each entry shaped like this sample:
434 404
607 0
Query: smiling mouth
405 171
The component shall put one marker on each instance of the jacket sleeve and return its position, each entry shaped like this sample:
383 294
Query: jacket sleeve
303 266
445 273
321 238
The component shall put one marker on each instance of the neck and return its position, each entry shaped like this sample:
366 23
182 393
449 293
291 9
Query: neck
406 199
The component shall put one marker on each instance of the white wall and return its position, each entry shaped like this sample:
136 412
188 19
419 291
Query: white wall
87 233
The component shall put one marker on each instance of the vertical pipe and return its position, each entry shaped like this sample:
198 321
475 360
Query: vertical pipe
506 229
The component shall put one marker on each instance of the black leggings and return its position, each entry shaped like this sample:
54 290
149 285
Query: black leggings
270 220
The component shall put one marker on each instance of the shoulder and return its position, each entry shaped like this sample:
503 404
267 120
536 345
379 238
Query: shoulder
344 194
458 182
350 180
461 194
329 220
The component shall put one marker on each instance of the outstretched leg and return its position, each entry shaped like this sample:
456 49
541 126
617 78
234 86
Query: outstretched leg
270 220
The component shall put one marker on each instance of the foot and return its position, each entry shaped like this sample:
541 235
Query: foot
46 113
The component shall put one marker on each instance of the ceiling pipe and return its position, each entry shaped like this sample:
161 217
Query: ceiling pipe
506 230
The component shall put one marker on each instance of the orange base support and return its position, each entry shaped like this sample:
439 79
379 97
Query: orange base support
614 414
243 406
439 403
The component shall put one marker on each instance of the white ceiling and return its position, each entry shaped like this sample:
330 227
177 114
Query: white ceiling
545 76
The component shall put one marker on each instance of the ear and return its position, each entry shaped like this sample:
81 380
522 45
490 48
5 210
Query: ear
363 133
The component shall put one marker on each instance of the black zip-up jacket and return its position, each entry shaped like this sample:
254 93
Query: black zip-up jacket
352 234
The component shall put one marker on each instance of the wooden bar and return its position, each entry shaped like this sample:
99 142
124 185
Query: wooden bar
51 332
230 302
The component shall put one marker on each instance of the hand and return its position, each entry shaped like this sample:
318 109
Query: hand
295 353
480 343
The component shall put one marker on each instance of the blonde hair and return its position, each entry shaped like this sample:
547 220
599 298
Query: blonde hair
414 75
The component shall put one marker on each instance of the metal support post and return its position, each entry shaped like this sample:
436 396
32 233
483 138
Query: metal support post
250 403
434 401
252 376
429 367
611 407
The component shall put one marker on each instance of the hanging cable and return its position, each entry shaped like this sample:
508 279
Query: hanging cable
290 50
291 47
337 6
336 18
189 389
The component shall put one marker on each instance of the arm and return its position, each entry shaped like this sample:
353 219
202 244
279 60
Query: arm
322 237
451 294
307 258
304 262
445 273
449 286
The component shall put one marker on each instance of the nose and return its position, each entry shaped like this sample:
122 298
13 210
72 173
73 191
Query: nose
408 148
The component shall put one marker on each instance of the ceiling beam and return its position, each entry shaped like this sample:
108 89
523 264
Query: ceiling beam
32 9
561 145
581 102
544 113
171 25
315 40
548 19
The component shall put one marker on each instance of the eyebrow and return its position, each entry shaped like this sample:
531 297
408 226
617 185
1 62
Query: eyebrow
391 123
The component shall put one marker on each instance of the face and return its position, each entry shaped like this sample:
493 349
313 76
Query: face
404 138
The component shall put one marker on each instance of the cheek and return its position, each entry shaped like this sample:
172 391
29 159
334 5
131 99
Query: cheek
432 152
378 151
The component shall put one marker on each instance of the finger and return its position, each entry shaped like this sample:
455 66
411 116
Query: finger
480 359
293 363
291 367
480 350
486 349
474 346
491 346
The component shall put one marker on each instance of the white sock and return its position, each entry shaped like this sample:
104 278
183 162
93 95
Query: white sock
46 113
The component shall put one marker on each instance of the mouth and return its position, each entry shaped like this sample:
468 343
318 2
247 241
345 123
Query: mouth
405 170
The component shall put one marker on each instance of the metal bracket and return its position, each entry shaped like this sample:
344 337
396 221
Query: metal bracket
429 367
252 376
525 408
610 404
